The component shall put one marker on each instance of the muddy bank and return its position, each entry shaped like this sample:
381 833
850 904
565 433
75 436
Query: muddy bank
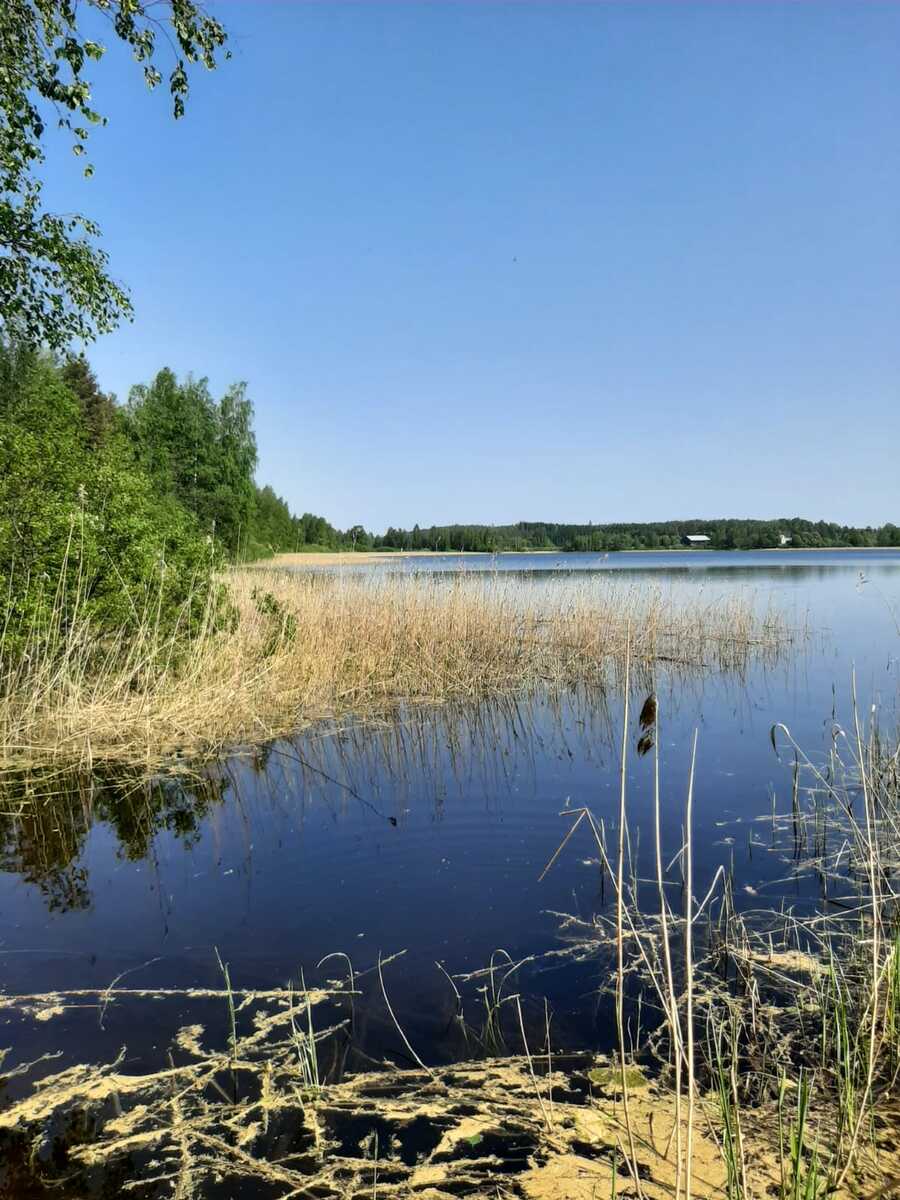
254 1119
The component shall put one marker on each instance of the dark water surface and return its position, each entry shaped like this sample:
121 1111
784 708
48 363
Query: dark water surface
429 835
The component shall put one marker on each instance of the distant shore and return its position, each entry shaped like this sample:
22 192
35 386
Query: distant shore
341 557
338 558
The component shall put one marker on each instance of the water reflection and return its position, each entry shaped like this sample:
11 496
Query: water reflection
700 574
428 833
389 772
46 821
800 565
381 769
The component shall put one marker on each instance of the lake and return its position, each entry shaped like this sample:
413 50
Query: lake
428 835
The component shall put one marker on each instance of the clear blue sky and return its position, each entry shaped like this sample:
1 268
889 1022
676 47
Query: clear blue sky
502 261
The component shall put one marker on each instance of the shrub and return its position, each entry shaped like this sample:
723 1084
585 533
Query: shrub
83 534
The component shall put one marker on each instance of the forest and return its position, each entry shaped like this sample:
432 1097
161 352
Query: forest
724 534
123 506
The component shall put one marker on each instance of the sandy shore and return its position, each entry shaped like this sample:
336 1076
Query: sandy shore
358 557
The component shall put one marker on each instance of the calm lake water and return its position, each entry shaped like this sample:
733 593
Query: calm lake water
428 835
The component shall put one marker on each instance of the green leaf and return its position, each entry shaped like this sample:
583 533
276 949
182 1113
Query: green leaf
54 285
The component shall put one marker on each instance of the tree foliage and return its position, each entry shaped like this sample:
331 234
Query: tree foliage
200 452
82 528
98 409
54 279
274 527
724 534
116 520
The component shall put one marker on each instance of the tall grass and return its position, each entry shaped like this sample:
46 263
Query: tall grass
303 647
779 1030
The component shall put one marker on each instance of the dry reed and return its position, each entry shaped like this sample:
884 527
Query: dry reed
306 647
783 1028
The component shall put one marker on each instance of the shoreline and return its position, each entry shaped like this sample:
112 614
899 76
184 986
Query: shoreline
347 557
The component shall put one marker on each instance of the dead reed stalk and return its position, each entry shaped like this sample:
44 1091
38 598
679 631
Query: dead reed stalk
803 1006
306 647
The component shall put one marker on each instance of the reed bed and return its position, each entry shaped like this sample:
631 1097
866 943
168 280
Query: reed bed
300 648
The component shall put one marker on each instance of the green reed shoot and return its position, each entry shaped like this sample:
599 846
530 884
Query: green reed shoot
723 1039
305 1045
806 1179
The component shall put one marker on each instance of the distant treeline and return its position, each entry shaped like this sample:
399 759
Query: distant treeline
274 529
723 534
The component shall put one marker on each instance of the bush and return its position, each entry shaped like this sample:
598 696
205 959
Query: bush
83 534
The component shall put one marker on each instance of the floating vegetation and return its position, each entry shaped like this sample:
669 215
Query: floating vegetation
216 1121
251 1118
